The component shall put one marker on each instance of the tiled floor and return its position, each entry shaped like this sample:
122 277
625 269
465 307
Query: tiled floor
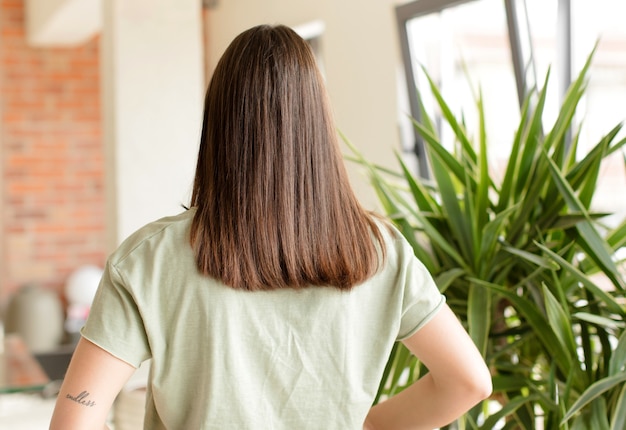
25 411
32 411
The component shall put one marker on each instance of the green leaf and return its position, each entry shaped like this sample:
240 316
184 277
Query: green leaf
533 135
540 325
618 420
532 258
570 102
597 249
506 196
388 199
559 321
456 219
482 204
451 120
444 279
586 172
618 359
599 320
572 219
617 238
434 145
510 407
598 292
504 383
490 235
423 199
599 415
594 391
440 241
479 316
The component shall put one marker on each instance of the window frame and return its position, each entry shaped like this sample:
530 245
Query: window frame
522 59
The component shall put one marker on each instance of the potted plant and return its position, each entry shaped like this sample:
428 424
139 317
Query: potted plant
524 262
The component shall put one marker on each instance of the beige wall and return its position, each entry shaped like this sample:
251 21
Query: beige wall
361 58
152 86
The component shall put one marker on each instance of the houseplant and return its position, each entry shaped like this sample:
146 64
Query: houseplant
524 262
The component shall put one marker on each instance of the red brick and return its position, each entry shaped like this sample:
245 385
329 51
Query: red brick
53 157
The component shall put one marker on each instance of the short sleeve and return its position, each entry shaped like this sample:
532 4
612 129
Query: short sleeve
421 298
114 322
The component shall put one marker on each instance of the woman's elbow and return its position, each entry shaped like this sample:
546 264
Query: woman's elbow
485 388
479 387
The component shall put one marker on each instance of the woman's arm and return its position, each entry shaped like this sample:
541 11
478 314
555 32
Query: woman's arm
93 380
457 379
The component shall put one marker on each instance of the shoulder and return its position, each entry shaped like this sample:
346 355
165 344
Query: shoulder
396 246
171 230
400 259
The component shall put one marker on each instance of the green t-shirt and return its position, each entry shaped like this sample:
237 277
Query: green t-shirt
230 359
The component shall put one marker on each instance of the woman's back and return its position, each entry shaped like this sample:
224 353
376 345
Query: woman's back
274 301
225 358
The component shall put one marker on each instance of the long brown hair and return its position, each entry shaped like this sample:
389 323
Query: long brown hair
274 208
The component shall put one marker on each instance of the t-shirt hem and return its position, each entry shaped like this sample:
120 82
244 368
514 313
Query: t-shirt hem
108 350
424 320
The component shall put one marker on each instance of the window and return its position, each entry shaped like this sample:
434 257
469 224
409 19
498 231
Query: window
506 48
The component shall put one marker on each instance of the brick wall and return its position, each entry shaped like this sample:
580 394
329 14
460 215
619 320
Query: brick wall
52 167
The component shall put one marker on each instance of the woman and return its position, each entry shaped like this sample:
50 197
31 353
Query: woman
274 301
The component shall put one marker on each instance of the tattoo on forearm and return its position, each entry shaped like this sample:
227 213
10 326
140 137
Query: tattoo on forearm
81 399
